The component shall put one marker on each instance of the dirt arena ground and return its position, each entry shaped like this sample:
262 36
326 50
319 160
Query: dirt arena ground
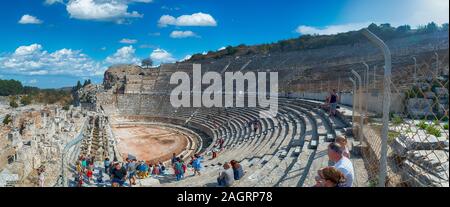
149 142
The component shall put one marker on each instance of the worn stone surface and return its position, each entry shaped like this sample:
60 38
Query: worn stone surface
418 140
417 107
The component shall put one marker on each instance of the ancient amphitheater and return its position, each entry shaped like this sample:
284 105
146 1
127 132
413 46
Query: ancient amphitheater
130 114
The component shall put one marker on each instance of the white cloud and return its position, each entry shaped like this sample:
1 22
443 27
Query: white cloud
32 81
331 29
128 41
102 10
187 57
182 34
28 19
50 2
124 55
161 56
222 48
197 19
33 60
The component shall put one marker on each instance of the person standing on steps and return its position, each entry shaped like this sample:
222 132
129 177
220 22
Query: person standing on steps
197 164
107 164
332 102
178 168
131 168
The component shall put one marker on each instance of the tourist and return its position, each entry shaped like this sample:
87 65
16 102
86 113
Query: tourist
162 168
83 163
343 164
197 164
226 177
332 102
155 169
79 180
329 177
89 174
118 175
178 168
131 168
142 170
215 150
107 164
221 142
238 171
343 142
100 177
41 177
183 165
174 158
78 167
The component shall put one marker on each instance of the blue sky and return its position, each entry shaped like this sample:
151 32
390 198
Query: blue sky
54 43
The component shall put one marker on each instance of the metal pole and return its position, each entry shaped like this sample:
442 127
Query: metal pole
386 102
353 101
339 88
437 64
367 87
358 77
415 70
374 76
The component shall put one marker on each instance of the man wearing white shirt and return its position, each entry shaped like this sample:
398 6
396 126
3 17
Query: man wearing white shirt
343 164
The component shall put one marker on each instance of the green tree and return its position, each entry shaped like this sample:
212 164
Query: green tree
147 62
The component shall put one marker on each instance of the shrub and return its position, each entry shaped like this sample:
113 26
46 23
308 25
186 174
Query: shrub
66 107
446 126
7 119
434 131
13 104
397 120
422 125
25 100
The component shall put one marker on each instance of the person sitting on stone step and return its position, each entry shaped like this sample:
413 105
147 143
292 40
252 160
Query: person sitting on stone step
238 171
226 176
329 177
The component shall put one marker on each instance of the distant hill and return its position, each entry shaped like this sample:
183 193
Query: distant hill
308 42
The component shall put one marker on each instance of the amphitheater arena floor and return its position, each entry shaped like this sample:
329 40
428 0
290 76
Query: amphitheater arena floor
149 142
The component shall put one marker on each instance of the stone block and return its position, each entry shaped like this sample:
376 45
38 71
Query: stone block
418 140
419 107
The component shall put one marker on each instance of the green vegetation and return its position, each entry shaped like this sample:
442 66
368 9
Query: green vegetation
26 100
397 120
7 119
29 94
147 62
10 87
422 125
13 102
392 135
446 126
434 131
